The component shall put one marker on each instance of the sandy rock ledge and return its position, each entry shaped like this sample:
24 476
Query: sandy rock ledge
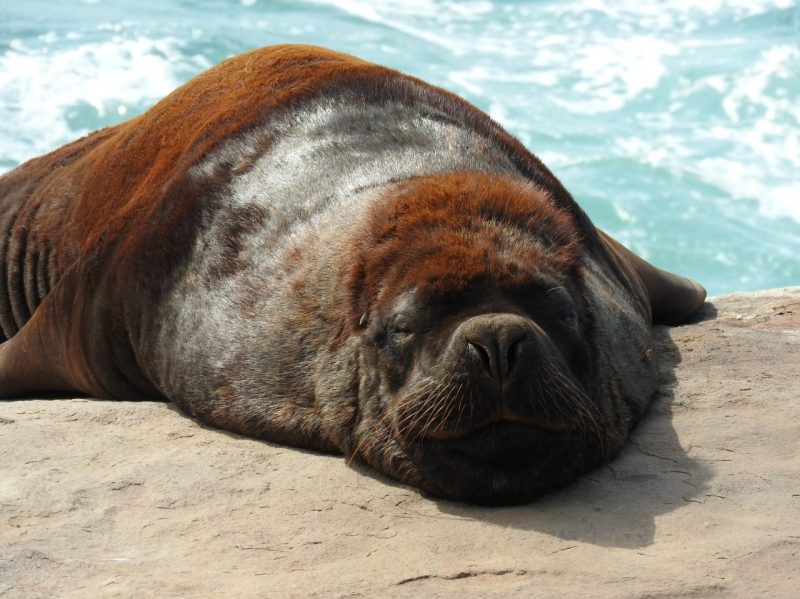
117 499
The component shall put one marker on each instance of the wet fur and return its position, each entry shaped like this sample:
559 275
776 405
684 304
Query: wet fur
241 248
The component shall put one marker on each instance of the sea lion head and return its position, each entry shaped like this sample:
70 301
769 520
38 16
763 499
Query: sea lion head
479 342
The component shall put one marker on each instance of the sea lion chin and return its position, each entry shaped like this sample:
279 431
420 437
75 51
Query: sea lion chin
303 247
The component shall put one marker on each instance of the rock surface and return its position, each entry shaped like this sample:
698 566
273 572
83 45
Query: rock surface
117 499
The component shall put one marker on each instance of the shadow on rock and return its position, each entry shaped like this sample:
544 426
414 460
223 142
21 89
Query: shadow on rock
617 504
707 312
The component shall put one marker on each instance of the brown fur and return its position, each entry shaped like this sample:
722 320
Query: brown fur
448 255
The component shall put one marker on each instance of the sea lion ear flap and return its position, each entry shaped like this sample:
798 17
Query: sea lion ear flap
673 298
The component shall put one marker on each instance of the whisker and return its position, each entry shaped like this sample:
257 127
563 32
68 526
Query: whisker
428 407
438 406
582 405
437 403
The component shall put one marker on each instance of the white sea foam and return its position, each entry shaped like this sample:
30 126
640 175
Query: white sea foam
681 15
44 89
413 17
614 71
603 77
390 10
759 140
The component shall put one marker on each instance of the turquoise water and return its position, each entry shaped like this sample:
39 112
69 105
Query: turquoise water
675 124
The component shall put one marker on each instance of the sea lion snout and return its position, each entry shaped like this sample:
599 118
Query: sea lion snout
488 373
493 344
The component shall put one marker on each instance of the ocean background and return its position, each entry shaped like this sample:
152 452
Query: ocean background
675 124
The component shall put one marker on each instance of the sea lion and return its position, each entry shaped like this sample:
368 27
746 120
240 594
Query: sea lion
307 248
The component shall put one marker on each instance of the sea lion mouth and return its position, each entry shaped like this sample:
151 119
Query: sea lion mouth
499 445
532 426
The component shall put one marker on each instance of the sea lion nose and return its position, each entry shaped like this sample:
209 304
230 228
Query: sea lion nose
493 341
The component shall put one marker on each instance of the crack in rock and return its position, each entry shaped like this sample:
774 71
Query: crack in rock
653 455
462 574
124 484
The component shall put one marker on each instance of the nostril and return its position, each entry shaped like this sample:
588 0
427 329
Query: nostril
496 345
482 356
512 355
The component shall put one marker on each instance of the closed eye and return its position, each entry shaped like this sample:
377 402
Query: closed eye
569 318
400 325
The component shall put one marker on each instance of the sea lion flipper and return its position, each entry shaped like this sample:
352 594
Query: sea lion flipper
38 357
25 364
673 298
